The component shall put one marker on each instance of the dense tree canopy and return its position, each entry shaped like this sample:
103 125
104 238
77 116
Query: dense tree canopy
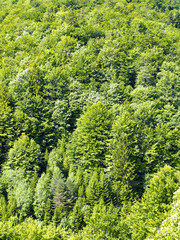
89 119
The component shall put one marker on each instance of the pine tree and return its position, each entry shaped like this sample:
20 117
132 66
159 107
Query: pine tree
34 181
79 176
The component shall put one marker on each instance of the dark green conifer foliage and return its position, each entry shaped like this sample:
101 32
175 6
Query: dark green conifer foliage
81 193
79 176
123 162
80 183
55 218
93 191
98 187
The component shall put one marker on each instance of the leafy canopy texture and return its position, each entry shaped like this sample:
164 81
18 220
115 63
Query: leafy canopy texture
89 119
89 143
25 155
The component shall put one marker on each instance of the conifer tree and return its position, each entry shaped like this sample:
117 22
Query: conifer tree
104 188
3 208
93 191
79 176
62 191
48 212
11 207
77 216
59 213
42 194
122 170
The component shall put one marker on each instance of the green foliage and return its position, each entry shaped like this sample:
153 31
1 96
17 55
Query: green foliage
59 213
63 191
89 118
168 84
48 210
93 189
123 171
25 155
169 227
18 192
102 224
174 18
156 156
148 66
42 194
98 188
6 121
77 216
148 214
29 229
3 209
54 161
88 146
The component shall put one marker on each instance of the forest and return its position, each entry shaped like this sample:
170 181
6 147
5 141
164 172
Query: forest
89 119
